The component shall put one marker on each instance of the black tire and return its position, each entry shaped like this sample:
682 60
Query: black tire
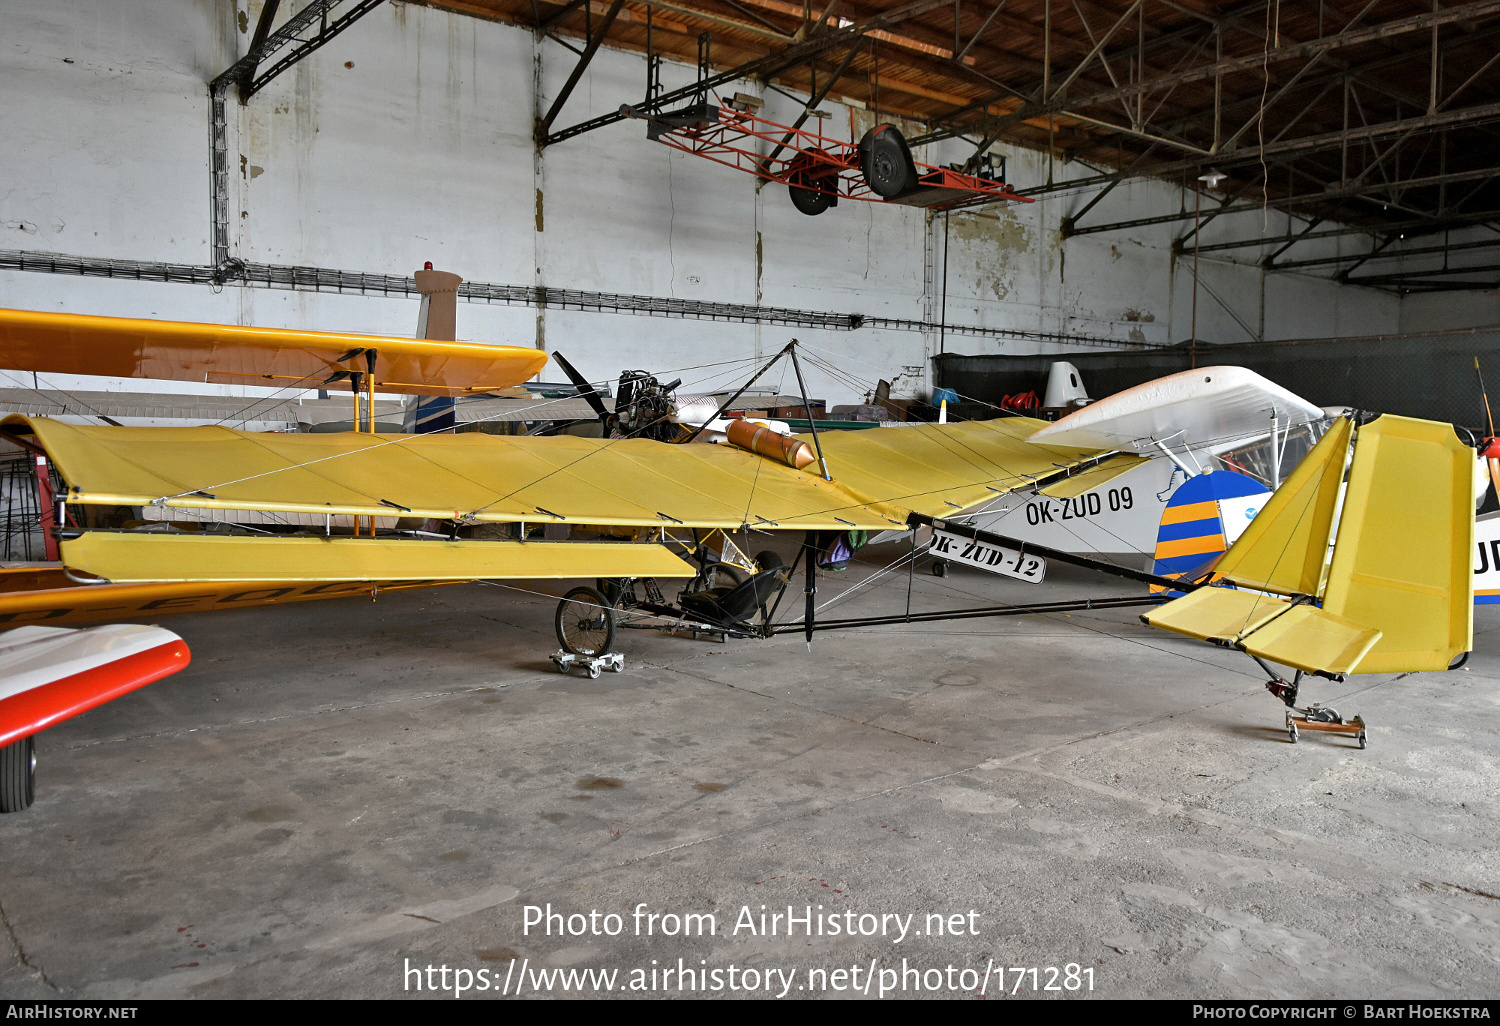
717 575
940 568
17 776
809 202
585 623
886 162
808 177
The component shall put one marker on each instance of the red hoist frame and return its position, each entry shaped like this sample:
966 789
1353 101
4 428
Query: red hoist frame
878 169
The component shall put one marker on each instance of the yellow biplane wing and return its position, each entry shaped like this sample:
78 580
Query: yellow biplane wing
48 596
475 477
126 347
508 479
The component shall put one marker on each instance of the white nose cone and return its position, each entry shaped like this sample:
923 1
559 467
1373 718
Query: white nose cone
1064 387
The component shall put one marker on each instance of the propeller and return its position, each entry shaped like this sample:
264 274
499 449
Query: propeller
586 391
643 405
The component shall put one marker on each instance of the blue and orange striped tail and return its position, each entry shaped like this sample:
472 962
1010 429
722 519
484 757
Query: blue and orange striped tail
1193 534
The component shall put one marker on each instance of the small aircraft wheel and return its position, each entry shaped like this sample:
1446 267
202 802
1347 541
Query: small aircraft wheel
1291 731
940 568
17 776
585 623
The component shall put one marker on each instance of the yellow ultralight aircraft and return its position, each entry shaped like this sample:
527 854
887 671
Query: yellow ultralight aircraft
1325 580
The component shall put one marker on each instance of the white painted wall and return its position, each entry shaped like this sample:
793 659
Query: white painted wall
408 138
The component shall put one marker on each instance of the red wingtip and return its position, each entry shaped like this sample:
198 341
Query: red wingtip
38 708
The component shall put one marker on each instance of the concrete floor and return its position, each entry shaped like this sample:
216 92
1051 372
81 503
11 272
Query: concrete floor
335 791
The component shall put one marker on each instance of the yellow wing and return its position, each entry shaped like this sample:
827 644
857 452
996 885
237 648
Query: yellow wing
46 595
470 476
935 469
474 476
178 350
481 477
125 558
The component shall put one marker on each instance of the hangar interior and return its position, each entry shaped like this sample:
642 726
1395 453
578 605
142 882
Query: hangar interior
334 792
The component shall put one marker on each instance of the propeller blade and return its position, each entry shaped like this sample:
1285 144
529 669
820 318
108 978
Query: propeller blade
586 391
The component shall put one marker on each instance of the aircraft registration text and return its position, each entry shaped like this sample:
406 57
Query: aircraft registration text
997 559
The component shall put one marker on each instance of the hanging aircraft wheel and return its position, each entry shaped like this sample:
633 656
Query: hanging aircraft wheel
812 184
886 162
585 623
808 201
940 568
17 776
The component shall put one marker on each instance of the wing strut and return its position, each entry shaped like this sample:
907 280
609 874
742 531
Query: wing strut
743 389
812 586
807 405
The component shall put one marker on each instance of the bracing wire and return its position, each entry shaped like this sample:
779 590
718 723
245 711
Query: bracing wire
400 439
36 387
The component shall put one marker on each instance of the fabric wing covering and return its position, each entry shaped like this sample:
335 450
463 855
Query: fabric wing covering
1095 477
627 482
934 469
1403 558
1271 627
1284 548
1397 597
128 347
125 558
